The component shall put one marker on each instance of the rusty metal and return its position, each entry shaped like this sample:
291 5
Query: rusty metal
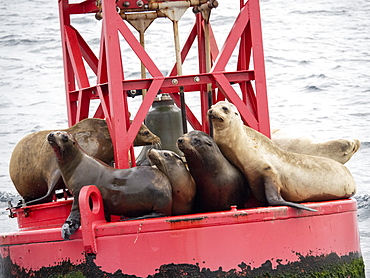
10 208
125 6
205 9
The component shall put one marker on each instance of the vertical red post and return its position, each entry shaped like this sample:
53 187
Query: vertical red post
64 18
259 67
119 120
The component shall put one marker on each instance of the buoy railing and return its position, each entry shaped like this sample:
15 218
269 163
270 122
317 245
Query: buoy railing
211 81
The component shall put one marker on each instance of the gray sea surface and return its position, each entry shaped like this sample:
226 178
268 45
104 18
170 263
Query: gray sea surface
317 58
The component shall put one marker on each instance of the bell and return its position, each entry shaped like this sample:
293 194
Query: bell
164 120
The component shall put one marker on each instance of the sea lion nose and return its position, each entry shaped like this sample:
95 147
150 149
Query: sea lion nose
51 135
180 140
210 111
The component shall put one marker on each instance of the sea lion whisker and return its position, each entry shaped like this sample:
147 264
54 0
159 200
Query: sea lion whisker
166 169
197 153
158 145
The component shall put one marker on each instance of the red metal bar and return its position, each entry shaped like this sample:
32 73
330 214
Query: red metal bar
88 6
229 92
119 116
202 69
259 67
64 19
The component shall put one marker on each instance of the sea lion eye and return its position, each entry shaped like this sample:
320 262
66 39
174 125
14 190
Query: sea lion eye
225 108
166 154
64 138
146 133
196 140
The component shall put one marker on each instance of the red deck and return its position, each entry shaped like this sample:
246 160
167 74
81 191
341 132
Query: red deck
229 239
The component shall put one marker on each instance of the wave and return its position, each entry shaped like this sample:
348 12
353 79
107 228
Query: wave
320 12
363 211
365 144
15 40
312 88
321 75
363 201
8 196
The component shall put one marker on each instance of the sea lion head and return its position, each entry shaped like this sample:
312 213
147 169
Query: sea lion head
165 160
146 137
222 114
61 142
349 147
196 142
343 149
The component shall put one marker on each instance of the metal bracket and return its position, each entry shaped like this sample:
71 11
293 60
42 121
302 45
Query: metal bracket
90 216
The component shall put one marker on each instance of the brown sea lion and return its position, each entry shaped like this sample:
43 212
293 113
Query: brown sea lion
134 192
219 184
340 150
183 184
32 166
277 177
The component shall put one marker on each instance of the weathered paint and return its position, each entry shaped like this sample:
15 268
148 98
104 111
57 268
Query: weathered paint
331 265
270 237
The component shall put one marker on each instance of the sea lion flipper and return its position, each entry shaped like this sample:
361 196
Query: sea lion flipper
55 179
274 197
73 221
146 216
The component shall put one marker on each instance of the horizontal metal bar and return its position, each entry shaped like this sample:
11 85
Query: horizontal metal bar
191 83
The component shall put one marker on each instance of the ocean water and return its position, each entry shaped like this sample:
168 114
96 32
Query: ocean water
317 58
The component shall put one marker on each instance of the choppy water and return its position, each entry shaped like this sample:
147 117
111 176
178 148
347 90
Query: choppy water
317 66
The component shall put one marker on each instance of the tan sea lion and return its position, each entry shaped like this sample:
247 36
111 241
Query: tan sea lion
135 192
183 184
277 177
32 166
340 150
219 184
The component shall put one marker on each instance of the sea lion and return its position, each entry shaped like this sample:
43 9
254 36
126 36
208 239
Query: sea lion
134 192
32 166
183 184
340 150
219 184
277 177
